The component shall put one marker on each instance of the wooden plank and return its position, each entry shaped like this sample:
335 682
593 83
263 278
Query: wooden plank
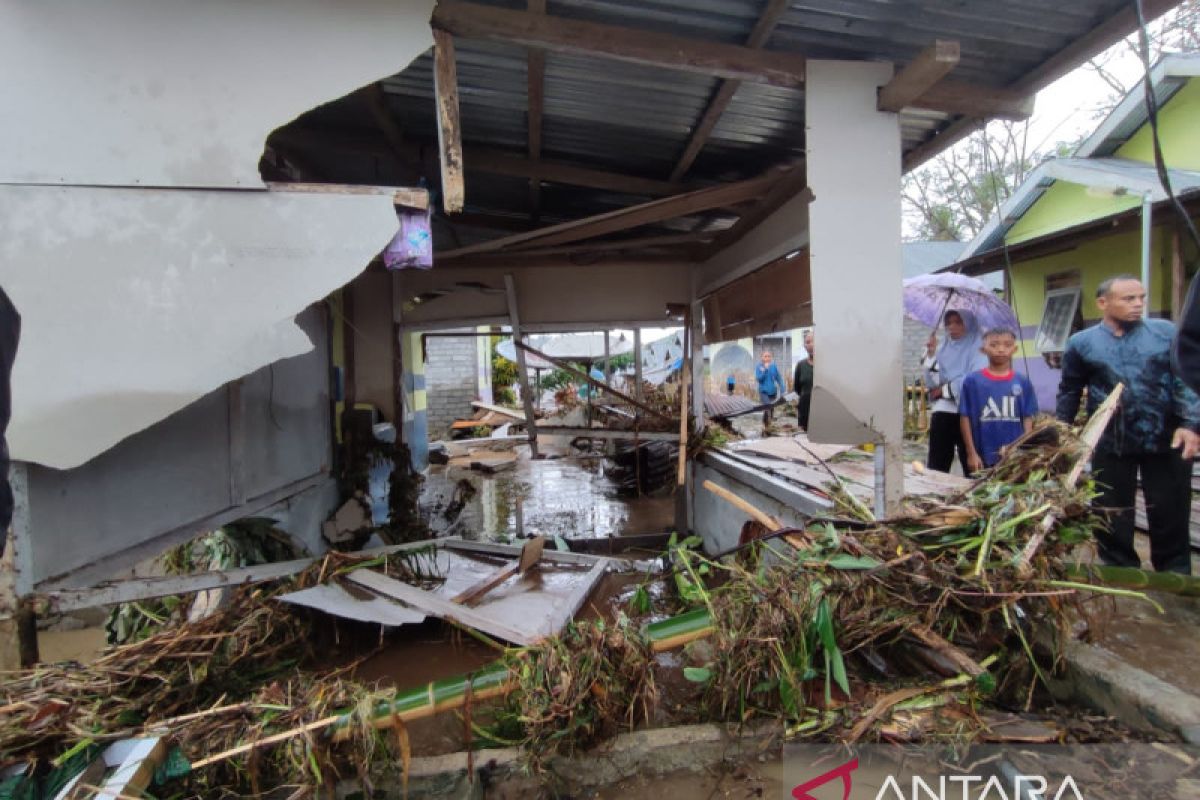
632 45
724 94
578 597
637 363
916 78
630 217
437 606
510 290
135 770
507 412
614 246
954 97
401 196
449 126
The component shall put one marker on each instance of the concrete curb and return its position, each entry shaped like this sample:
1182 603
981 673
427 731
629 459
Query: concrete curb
1101 680
649 752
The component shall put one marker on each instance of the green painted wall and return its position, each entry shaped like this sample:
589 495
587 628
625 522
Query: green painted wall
1066 204
1096 260
1177 123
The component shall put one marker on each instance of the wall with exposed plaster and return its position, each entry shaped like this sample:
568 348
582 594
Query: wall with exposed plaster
179 92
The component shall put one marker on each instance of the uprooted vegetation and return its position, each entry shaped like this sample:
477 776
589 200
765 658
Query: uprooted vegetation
914 628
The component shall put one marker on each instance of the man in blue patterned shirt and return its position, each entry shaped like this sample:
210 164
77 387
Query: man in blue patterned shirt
1154 432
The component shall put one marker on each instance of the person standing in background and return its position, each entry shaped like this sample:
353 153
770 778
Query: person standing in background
945 367
770 384
802 383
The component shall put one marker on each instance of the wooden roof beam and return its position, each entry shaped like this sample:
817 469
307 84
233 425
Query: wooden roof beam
449 125
721 98
536 90
576 37
919 75
631 217
790 184
1104 35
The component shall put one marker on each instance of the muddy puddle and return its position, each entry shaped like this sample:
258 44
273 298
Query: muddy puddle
567 497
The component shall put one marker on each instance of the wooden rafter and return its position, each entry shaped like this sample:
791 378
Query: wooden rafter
476 21
919 75
955 97
632 244
628 218
726 90
790 184
445 89
536 69
482 159
1103 36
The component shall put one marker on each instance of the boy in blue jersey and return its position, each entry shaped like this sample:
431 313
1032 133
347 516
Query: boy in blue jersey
996 405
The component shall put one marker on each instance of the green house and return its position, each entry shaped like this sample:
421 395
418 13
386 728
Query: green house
1101 212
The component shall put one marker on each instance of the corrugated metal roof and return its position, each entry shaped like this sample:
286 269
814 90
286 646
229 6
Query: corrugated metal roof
637 120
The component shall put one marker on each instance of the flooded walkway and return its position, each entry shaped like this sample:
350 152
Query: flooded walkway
569 497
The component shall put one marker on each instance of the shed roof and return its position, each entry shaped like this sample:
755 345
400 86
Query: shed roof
635 120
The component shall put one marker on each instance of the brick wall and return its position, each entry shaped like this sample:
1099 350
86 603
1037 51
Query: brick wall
451 381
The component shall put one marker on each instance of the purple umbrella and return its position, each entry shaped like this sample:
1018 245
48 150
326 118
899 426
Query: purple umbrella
927 298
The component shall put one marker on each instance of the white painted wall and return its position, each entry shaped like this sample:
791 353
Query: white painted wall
781 233
136 302
181 92
854 171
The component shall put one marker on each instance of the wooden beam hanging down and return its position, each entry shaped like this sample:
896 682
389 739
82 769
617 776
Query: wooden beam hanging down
449 126
630 217
720 100
514 318
919 75
633 45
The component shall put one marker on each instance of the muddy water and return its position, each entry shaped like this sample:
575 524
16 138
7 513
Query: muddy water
568 497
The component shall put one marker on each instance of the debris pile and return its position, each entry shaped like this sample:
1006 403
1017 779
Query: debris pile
849 629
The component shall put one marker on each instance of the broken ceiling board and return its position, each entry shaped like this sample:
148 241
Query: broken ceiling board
523 609
332 598
136 92
791 448
137 302
777 297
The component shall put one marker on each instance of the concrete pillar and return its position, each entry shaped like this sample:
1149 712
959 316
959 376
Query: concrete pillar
854 227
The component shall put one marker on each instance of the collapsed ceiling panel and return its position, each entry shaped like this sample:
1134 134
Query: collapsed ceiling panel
177 93
136 302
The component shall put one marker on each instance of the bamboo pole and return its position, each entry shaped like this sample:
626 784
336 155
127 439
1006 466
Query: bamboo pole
1090 437
766 519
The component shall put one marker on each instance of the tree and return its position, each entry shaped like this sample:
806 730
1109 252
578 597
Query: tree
951 197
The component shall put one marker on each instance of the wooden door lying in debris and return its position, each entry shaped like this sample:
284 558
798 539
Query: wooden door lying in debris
522 610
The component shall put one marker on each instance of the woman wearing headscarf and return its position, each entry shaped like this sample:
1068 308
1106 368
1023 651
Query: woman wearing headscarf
945 367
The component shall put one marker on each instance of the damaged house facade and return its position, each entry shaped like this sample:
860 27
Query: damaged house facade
194 196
